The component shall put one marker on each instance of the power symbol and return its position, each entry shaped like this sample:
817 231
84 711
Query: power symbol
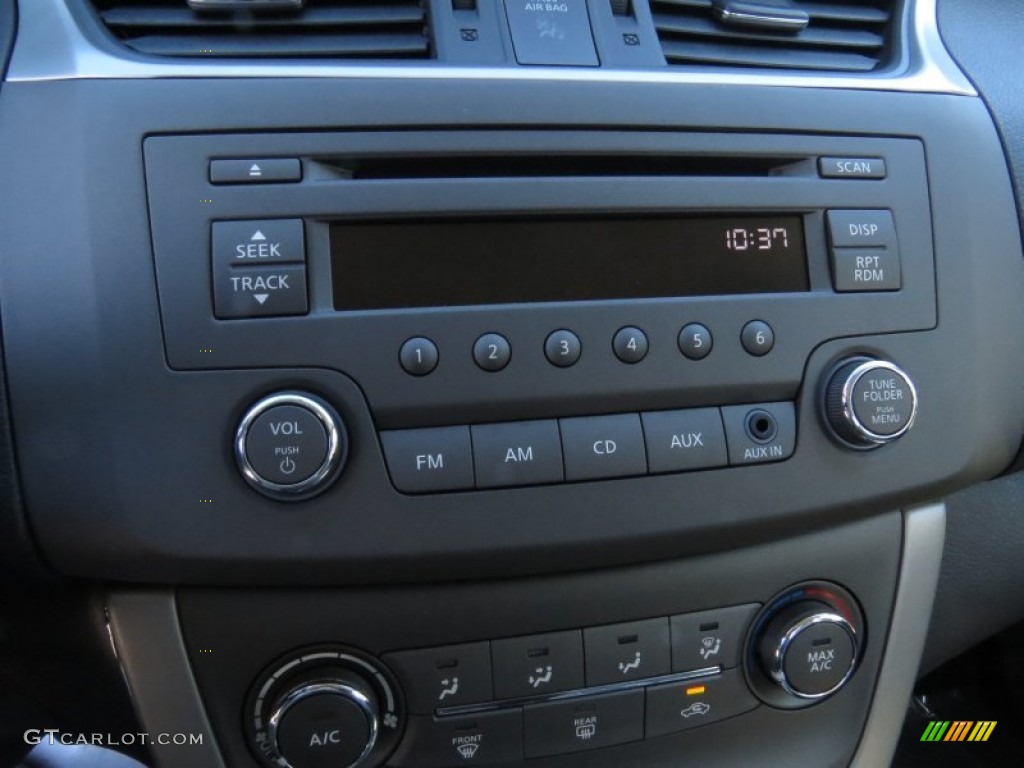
287 465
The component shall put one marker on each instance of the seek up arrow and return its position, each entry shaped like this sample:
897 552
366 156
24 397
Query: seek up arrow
257 236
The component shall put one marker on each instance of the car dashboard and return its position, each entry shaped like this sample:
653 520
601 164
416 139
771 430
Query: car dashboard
584 383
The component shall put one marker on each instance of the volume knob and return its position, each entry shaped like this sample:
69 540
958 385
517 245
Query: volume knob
869 402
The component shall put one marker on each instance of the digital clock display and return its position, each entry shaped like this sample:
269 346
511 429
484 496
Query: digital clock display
453 262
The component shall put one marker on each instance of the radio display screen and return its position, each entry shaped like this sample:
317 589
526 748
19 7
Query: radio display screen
446 263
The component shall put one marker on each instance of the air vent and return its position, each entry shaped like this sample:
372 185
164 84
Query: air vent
848 36
371 29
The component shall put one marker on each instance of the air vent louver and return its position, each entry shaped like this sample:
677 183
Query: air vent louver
846 36
370 29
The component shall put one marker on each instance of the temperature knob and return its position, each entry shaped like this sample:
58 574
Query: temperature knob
809 650
869 402
325 709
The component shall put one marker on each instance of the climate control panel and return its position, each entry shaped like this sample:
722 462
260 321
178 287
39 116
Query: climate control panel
513 699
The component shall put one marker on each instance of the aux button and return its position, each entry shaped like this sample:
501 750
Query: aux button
290 445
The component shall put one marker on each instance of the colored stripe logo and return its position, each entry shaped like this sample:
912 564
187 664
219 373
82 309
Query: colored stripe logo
958 730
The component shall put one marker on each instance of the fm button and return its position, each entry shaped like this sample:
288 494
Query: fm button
290 445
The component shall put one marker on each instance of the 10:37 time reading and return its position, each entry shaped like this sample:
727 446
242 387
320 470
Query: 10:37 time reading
760 239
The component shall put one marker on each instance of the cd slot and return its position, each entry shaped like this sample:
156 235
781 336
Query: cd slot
493 166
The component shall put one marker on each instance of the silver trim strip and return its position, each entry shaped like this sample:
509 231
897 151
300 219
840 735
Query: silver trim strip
150 649
924 531
52 46
577 693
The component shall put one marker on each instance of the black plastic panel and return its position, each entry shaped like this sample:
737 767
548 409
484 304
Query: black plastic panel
241 632
365 345
127 461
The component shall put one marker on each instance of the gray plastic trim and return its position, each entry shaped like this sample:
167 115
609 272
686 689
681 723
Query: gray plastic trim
924 531
52 46
147 638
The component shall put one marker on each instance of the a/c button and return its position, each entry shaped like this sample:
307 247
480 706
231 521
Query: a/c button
603 446
423 460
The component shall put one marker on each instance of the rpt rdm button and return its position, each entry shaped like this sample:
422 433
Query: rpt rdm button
866 269
423 460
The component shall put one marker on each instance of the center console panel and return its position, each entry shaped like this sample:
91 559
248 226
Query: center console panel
483 642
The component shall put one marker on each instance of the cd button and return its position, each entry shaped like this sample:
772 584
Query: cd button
423 460
518 453
603 446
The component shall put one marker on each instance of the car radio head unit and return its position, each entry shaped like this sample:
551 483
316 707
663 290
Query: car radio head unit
455 262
